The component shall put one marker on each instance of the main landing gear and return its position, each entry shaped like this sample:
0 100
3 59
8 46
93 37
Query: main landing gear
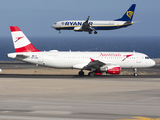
135 72
90 32
81 73
91 74
95 32
59 31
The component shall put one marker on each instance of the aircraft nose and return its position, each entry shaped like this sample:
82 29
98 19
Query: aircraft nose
152 63
53 26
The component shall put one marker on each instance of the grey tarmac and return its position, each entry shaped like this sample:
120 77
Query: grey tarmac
79 98
71 97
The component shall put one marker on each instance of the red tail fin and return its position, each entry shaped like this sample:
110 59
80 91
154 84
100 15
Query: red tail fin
20 41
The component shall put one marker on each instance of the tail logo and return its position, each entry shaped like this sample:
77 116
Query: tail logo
129 14
18 38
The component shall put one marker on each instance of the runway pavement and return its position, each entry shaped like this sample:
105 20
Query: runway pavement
71 97
79 98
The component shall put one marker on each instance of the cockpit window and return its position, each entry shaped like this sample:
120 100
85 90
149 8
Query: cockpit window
55 23
146 57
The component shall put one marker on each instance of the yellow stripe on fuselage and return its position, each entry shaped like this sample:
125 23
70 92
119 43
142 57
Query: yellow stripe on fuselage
95 26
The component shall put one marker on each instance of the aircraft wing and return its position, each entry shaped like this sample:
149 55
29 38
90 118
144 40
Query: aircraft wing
86 26
87 66
96 65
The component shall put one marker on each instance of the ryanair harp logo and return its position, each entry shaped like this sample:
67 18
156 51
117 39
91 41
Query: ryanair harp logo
129 14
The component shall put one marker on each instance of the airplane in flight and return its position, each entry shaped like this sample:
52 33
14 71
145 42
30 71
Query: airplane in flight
89 26
95 62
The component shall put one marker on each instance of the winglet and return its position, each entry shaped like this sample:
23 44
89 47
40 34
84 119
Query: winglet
92 59
87 19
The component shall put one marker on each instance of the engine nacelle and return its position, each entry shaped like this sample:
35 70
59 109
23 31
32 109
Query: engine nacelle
111 69
78 29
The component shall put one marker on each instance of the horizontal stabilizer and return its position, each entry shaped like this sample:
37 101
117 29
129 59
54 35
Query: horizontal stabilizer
22 56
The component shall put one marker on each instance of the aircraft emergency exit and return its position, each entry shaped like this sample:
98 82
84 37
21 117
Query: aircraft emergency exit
95 62
89 26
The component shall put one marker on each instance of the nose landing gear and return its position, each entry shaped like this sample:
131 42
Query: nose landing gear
135 72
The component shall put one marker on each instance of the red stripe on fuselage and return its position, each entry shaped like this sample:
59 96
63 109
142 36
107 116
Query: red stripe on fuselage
14 28
28 48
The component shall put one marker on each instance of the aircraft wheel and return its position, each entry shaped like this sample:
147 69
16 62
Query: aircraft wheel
81 73
95 32
135 74
91 74
90 32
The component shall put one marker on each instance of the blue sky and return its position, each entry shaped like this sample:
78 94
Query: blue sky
35 17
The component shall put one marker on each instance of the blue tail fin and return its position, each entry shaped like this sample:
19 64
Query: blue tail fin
128 15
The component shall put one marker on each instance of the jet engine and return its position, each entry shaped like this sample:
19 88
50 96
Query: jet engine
111 69
78 29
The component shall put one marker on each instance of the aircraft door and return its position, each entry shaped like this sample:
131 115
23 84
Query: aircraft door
138 59
40 59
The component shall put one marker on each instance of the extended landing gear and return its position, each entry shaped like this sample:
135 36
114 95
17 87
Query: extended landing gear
81 73
135 72
59 31
95 32
90 32
91 74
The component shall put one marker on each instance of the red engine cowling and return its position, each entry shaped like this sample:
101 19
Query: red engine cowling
114 70
111 69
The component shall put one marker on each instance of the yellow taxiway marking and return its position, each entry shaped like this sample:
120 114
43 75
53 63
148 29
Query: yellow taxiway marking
141 118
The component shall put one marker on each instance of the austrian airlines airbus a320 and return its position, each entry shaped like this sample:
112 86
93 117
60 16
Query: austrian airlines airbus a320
95 62
89 26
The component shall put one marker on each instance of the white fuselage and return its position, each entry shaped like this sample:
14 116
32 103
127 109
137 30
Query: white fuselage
97 25
78 60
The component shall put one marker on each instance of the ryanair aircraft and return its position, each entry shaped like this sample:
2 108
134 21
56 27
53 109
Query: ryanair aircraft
89 26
